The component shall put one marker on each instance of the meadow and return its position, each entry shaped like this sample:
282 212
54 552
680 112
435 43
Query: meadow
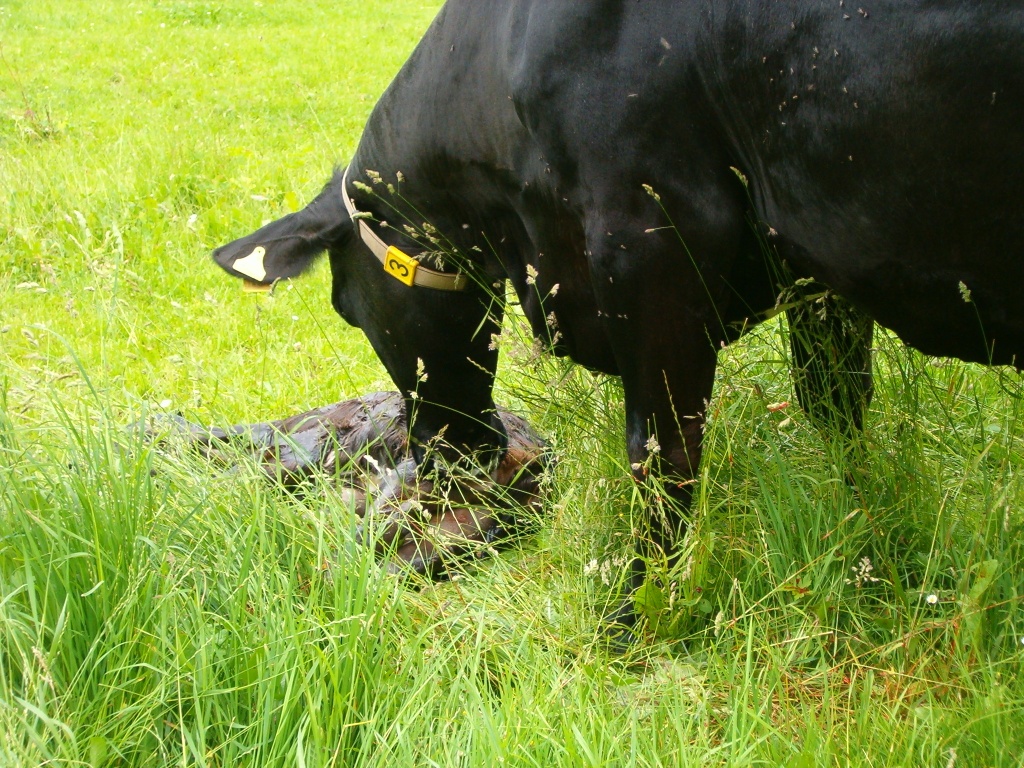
156 610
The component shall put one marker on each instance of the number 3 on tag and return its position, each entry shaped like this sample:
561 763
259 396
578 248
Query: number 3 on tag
400 266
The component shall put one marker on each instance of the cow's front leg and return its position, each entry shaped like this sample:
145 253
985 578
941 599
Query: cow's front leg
665 412
663 296
831 361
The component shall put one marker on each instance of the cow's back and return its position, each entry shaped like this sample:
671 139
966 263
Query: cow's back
887 146
884 144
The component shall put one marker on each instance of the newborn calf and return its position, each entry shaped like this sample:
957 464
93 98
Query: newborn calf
362 444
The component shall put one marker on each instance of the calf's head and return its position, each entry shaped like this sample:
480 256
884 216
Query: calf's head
433 343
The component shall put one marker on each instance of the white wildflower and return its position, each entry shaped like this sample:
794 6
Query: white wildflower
862 572
932 599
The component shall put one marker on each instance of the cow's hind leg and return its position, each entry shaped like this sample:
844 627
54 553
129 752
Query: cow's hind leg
830 342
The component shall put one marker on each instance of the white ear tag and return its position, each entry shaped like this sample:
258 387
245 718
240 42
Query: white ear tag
252 265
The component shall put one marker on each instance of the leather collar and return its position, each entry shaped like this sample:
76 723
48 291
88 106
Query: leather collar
397 263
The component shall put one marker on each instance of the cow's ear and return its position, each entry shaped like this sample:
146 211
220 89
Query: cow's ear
287 247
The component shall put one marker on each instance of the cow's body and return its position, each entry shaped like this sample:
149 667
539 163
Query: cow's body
633 154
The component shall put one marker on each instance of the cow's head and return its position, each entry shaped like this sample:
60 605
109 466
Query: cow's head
434 343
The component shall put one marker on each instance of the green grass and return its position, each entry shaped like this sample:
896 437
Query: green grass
156 611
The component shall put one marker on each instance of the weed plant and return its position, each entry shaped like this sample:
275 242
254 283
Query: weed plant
157 610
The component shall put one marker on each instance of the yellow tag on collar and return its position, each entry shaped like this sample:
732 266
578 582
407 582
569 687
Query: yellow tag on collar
248 286
399 266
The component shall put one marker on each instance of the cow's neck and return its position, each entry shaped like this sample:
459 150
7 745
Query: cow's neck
471 169
444 126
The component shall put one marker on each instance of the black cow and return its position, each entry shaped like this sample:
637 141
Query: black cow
645 174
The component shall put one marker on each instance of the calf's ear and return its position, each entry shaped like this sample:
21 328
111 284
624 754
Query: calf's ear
289 246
